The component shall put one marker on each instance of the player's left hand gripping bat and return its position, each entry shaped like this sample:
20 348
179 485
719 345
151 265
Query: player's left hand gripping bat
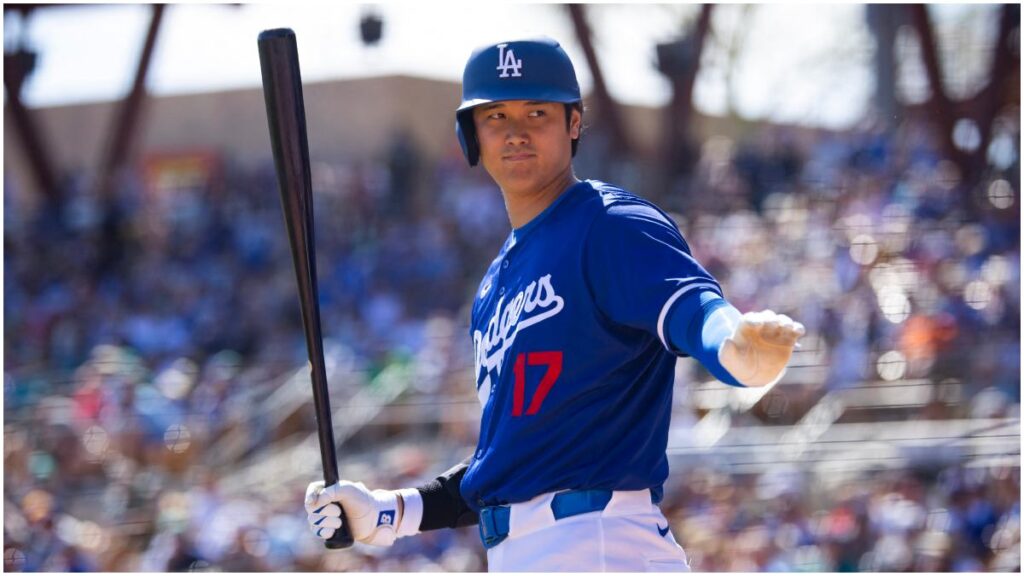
282 91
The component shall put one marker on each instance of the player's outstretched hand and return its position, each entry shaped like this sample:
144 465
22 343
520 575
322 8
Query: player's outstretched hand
759 348
373 516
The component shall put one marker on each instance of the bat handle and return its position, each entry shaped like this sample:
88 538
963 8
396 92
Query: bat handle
342 537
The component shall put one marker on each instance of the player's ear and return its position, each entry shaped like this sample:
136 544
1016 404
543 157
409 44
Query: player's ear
575 123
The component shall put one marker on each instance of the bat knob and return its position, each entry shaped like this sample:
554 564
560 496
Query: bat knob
275 33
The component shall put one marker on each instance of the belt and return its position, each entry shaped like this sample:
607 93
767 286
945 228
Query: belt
494 520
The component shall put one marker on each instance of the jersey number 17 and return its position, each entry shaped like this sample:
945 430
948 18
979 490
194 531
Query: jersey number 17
553 361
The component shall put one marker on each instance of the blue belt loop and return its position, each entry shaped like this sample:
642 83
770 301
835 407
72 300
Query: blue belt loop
566 504
494 525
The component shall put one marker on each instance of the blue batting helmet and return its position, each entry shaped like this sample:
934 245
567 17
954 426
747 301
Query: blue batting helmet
515 70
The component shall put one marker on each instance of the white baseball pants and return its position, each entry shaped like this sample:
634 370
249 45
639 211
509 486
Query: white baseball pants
629 535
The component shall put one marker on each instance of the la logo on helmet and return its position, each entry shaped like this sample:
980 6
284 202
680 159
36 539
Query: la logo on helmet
507 61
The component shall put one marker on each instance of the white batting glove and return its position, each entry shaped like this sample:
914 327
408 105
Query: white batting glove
374 518
759 348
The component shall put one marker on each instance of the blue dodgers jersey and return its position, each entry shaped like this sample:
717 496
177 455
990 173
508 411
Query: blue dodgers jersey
572 366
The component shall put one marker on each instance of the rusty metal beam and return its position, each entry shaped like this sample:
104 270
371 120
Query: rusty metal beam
124 128
16 67
606 105
22 9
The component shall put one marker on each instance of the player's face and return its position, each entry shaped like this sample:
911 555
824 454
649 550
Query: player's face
524 144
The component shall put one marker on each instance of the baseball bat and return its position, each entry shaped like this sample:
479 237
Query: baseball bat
282 91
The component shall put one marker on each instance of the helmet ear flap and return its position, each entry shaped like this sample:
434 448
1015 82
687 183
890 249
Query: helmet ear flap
466 132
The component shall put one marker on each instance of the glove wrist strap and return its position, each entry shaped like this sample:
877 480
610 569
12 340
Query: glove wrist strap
413 514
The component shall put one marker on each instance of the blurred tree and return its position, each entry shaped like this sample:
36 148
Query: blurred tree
679 61
733 48
965 120
606 105
884 21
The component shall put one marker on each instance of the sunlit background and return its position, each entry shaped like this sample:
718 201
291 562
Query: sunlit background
857 168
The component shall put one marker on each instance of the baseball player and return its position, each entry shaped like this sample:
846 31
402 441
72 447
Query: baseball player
576 326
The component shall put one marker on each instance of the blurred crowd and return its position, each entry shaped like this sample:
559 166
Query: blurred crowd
876 243
143 328
950 520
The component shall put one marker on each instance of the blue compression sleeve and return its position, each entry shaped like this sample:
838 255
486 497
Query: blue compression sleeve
696 329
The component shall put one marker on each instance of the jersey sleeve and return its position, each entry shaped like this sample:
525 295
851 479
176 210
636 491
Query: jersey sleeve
637 265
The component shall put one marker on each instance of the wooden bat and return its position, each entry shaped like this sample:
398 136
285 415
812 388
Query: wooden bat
282 91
